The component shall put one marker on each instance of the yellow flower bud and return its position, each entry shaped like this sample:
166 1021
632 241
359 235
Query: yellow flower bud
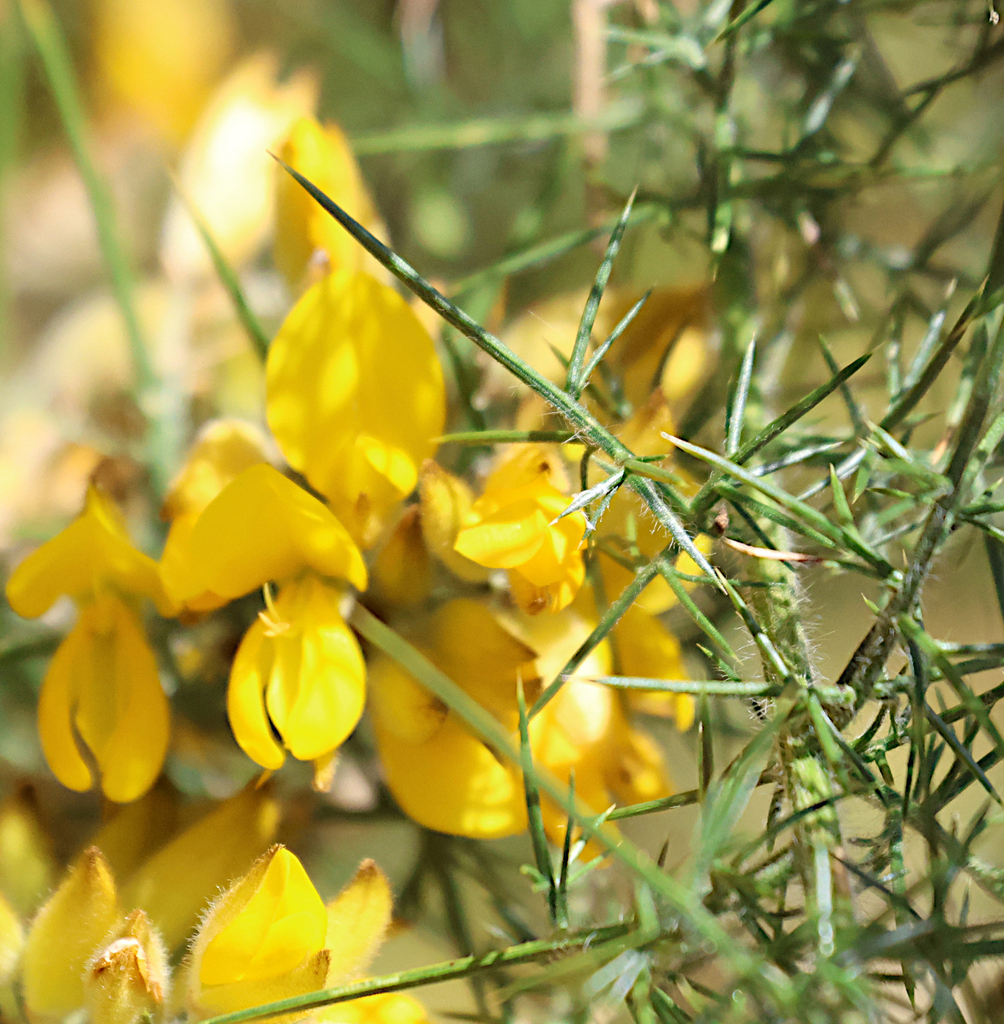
446 502
11 941
127 980
302 227
91 556
263 527
175 884
299 672
358 918
262 940
440 773
517 524
355 397
102 689
27 866
64 936
402 570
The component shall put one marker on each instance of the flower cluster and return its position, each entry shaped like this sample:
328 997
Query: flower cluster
102 947
278 536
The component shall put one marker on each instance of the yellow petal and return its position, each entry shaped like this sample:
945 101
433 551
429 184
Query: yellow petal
226 171
223 449
127 980
91 555
242 995
384 1008
505 538
177 882
263 527
453 783
103 686
403 708
27 864
180 573
355 396
11 941
322 155
64 936
402 571
308 674
137 829
265 925
160 58
249 676
358 918
446 501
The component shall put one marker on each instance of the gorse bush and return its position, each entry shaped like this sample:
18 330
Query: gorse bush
467 598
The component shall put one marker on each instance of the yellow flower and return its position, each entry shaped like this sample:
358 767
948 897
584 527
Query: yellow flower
64 935
91 556
648 650
440 773
299 669
303 229
515 525
127 979
102 691
355 397
446 501
160 58
584 728
269 936
102 688
223 449
226 171
299 673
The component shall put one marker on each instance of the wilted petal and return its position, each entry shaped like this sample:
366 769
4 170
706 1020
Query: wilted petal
127 980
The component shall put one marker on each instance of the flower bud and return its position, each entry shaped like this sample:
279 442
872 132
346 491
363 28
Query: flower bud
175 884
127 980
64 936
262 940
